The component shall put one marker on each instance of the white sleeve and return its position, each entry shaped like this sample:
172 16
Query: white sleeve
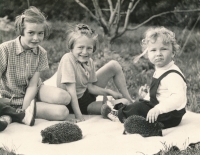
177 89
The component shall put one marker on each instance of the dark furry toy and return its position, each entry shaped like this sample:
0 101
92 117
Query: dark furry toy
61 133
138 125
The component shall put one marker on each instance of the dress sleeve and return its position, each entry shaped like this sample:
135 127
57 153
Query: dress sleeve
4 59
43 60
68 69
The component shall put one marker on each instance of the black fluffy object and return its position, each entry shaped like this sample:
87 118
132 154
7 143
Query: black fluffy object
138 125
64 132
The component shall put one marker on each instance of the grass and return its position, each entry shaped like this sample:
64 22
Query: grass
8 151
192 149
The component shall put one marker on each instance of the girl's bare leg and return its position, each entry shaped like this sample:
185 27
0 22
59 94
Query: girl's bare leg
54 95
51 112
94 108
113 70
51 104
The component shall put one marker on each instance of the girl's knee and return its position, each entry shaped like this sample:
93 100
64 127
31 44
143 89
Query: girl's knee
115 65
51 112
61 113
63 97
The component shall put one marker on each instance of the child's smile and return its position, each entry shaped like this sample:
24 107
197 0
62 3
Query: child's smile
83 49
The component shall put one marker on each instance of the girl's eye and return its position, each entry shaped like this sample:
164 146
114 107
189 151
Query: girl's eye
30 33
81 47
41 33
153 50
90 48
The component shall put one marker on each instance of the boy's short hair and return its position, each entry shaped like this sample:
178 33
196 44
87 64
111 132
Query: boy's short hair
81 30
31 15
168 37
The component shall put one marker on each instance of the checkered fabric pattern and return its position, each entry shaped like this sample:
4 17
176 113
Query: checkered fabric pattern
17 67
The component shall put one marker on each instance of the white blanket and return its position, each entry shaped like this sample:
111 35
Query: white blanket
100 137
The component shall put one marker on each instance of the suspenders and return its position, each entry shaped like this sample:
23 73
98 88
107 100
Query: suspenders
171 71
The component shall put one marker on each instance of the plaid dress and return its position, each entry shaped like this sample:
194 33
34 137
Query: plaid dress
17 67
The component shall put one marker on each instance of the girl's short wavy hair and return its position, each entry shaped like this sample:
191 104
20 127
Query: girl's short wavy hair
81 30
168 36
32 15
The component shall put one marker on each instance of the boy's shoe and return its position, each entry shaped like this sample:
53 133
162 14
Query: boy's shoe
113 116
6 118
105 110
30 112
4 121
3 125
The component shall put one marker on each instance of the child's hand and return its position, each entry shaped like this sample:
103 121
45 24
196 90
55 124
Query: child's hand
116 95
18 110
80 118
75 120
143 91
153 115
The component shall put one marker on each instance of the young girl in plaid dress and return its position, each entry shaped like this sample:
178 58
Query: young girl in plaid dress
22 60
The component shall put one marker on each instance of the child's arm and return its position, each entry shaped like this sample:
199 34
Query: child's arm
96 90
31 90
177 88
177 99
71 88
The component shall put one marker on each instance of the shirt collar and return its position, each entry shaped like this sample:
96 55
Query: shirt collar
20 49
166 67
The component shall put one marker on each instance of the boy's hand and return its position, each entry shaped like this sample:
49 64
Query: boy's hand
143 91
153 115
18 110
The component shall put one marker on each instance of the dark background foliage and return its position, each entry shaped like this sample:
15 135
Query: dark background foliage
69 10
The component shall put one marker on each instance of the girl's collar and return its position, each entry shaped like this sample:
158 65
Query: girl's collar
20 48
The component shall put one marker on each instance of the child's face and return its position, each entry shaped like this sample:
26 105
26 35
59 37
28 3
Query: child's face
83 49
33 35
160 54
